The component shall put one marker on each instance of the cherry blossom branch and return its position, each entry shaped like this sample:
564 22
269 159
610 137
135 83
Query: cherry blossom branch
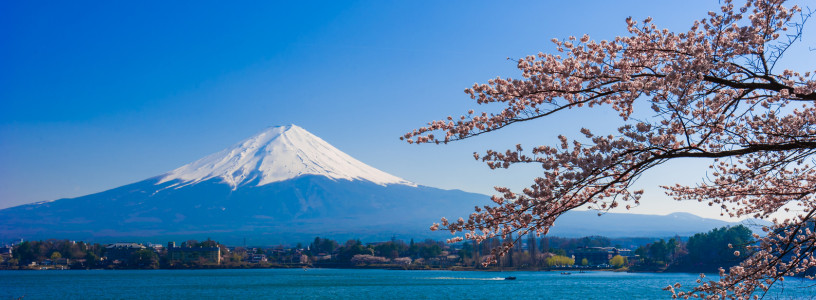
716 96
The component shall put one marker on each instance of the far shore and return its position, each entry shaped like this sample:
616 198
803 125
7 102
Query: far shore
570 270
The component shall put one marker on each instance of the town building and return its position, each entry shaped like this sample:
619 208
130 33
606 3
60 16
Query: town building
5 251
256 258
188 255
122 251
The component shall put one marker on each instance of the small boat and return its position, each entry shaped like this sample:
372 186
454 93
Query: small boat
566 273
510 278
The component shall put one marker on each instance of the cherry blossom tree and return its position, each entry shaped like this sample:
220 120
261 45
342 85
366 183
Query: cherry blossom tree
712 92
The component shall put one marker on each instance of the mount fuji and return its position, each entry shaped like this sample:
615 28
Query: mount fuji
282 185
286 185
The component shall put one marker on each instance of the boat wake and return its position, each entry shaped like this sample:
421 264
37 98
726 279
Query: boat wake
466 278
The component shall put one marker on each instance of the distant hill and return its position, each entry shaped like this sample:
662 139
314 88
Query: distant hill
285 185
583 223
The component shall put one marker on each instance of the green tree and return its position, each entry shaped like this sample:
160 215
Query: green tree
466 251
391 249
618 261
352 248
559 260
427 250
584 262
533 248
319 245
716 248
25 252
91 259
559 251
144 259
209 243
658 251
56 255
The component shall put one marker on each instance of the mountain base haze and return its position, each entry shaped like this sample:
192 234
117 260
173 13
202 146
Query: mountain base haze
282 186
283 212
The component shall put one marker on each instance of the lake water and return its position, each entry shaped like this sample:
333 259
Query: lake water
345 284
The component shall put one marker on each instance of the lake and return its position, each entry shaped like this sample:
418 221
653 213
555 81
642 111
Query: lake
354 283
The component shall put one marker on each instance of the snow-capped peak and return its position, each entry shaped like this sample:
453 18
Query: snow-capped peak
277 154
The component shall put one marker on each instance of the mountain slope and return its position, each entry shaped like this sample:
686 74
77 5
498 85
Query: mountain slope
285 185
278 154
281 185
280 212
583 223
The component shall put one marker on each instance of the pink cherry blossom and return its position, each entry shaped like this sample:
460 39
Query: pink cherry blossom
714 93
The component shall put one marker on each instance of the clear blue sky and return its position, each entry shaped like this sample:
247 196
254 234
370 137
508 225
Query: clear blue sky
95 95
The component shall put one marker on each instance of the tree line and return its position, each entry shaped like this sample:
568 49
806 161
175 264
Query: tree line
702 252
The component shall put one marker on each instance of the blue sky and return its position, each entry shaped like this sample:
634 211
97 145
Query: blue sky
95 95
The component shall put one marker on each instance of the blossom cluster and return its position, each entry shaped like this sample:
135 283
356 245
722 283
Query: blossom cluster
714 94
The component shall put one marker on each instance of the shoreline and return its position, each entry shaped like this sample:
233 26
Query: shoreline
393 268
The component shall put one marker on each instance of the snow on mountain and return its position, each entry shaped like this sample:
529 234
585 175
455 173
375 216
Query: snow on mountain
278 154
285 185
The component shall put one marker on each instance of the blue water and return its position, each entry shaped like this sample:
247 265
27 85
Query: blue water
346 284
